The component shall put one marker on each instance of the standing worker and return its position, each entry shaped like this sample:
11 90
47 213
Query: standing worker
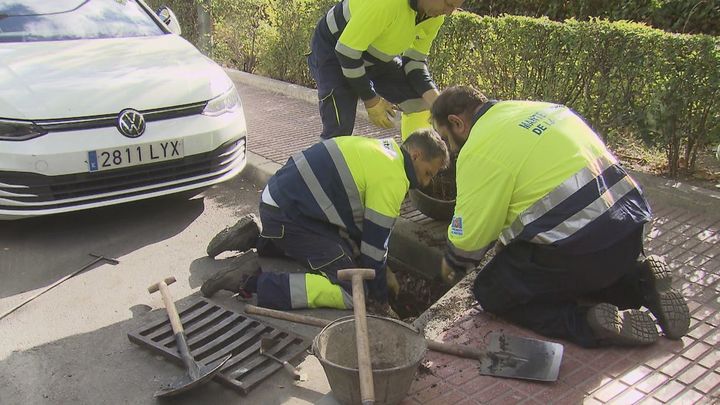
376 50
331 207
569 221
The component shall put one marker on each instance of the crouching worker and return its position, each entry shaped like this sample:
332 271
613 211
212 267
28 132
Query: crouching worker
568 220
331 207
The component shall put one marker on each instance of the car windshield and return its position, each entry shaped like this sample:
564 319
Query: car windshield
54 20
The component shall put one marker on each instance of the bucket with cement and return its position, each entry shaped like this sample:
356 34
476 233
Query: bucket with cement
396 350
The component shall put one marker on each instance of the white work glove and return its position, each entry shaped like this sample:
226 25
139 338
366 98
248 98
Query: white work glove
378 110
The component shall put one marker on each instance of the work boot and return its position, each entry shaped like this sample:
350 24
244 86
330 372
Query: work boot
630 327
241 237
665 302
234 278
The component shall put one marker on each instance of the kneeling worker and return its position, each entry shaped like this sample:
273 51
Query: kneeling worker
568 218
331 207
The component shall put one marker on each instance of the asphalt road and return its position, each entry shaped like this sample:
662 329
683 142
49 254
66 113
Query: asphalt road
70 345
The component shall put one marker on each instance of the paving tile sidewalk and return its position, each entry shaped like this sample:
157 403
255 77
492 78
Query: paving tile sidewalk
685 371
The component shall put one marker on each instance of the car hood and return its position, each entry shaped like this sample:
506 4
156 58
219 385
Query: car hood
64 79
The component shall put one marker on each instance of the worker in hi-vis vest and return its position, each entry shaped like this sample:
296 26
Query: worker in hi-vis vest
567 218
376 50
331 207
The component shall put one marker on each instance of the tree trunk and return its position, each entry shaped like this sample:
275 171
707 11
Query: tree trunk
204 24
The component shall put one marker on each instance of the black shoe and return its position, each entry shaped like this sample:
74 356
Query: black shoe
665 302
241 237
630 327
233 279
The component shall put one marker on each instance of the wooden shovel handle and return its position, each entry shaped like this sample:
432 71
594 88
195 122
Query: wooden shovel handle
162 286
367 390
467 352
456 350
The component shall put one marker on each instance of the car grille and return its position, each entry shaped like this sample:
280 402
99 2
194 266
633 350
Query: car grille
27 191
110 120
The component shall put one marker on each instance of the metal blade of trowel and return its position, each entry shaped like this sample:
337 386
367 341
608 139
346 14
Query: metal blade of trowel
520 357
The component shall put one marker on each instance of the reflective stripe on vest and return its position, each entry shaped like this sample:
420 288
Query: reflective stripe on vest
358 211
331 20
593 173
316 189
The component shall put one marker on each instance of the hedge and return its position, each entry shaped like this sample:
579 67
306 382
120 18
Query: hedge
684 16
623 77
626 78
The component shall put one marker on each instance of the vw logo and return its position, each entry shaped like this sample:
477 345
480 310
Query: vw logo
131 123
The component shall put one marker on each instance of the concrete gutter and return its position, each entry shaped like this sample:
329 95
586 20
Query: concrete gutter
409 239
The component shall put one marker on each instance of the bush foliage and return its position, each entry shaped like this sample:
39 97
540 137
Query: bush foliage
624 77
684 16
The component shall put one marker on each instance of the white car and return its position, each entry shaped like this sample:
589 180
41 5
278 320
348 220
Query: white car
101 102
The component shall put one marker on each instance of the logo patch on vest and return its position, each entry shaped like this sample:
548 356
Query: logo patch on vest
456 226
387 144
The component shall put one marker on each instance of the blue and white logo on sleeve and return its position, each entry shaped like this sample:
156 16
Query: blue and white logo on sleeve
456 226
388 148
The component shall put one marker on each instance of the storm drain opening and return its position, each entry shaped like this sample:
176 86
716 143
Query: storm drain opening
417 293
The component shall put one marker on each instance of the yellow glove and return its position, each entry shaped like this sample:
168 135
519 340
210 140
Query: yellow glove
378 112
392 282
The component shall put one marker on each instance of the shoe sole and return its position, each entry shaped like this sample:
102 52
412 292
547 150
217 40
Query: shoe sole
215 283
628 328
665 302
224 240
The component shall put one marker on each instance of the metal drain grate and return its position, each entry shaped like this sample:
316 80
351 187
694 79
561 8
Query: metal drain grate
214 332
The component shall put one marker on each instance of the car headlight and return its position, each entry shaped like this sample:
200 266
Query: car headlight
12 130
224 103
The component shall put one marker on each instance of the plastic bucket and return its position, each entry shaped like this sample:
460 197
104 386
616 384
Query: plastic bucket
396 350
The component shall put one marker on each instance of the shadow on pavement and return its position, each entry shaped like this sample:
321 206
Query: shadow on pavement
232 192
104 367
36 252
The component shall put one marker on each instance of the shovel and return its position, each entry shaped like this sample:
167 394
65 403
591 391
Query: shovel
505 356
197 374
265 345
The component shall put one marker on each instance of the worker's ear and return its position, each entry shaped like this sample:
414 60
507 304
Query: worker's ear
416 154
457 124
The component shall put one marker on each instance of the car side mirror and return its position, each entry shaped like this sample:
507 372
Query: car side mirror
168 17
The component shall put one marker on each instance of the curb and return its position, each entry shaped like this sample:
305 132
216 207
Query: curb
287 89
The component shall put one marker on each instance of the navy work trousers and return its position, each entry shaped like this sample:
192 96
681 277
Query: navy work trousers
337 100
550 292
314 244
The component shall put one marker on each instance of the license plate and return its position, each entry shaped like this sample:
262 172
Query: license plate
134 155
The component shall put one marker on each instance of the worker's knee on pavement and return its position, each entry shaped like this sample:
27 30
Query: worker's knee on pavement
493 295
411 122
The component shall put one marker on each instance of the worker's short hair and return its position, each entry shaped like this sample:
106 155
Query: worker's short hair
427 141
456 100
